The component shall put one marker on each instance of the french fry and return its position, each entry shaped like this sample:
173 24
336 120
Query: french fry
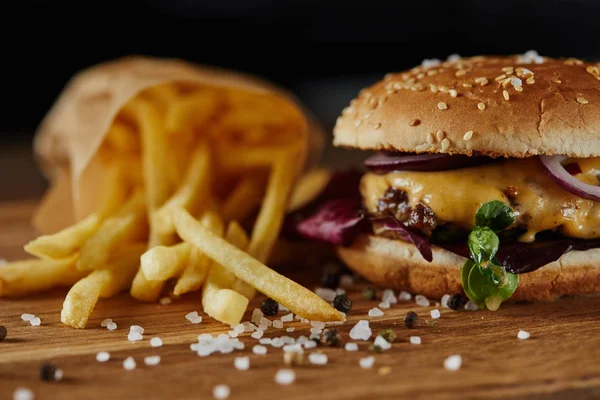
247 268
127 225
238 237
191 112
107 281
162 263
244 198
122 137
218 300
163 95
236 158
69 240
21 278
143 289
196 271
193 193
308 187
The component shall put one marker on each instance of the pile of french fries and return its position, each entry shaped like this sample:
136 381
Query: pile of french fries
197 186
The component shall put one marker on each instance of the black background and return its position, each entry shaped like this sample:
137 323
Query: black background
325 51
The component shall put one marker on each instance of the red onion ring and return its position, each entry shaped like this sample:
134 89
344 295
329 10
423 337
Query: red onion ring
554 167
384 163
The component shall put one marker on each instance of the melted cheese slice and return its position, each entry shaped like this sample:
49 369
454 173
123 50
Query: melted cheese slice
454 196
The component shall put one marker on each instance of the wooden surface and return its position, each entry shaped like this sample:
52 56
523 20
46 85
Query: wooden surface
561 359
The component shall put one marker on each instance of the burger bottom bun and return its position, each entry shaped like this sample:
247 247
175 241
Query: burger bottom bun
399 265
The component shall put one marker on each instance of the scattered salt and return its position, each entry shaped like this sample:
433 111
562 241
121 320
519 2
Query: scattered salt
285 376
105 323
366 362
435 314
453 362
290 329
23 394
112 326
152 360
523 335
326 294
415 339
361 331
102 356
204 338
422 300
385 305
293 348
257 314
129 364
302 339
258 349
58 374
404 296
346 280
265 341
134 336
193 317
382 343
27 317
278 324
311 344
317 324
287 318
316 331
257 334
375 312
239 328
277 342
351 346
165 301
35 322
136 329
232 333
317 358
156 342
221 392
241 363
340 291
388 296
470 306
249 327
444 300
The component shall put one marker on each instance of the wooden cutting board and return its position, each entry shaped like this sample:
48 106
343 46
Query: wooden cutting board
560 360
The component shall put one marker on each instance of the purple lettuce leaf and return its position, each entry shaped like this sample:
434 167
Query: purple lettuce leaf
382 225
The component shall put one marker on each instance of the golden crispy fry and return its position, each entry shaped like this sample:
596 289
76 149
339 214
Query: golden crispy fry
163 96
227 306
195 272
20 278
193 193
238 237
107 281
123 138
244 199
162 263
191 112
308 187
235 158
143 289
271 215
125 226
287 292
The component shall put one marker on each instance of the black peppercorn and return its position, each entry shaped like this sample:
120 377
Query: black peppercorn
269 307
2 333
457 301
342 303
48 372
410 319
330 337
369 293
330 280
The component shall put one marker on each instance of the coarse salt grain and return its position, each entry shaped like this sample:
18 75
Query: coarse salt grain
258 349
257 334
453 362
136 329
285 376
375 312
310 344
288 317
112 326
351 346
277 342
435 314
523 335
105 323
156 342
389 296
257 314
35 321
134 336
241 363
361 331
326 294
415 339
239 328
290 329
317 324
283 308
221 392
317 358
23 394
58 374
129 364
165 301
470 306
421 300
366 362
152 360
232 333
382 343
277 324
193 317
404 296
265 341
384 305
444 300
346 280
27 317
103 356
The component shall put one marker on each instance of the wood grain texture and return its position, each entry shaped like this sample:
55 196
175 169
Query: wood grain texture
559 361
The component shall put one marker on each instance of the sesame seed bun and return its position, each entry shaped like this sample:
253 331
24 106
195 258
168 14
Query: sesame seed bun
499 106
398 265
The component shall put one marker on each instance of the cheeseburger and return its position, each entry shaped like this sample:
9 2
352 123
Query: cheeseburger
485 179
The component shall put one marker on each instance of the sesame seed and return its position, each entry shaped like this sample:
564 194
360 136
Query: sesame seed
440 135
480 79
430 138
443 89
445 144
527 73
460 72
557 81
505 95
506 82
414 122
431 72
484 82
421 76
442 106
500 78
467 85
396 86
433 88
530 81
481 106
508 70
468 135
582 100
519 88
453 92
